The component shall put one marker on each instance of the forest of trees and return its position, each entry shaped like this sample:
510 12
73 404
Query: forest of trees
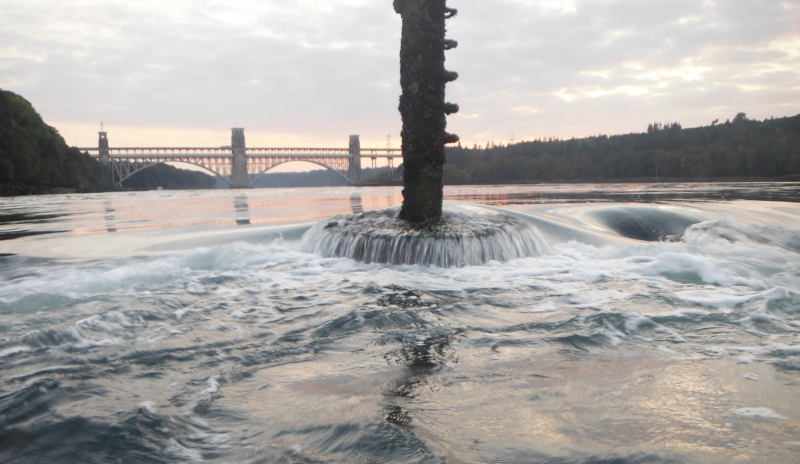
169 177
34 158
739 148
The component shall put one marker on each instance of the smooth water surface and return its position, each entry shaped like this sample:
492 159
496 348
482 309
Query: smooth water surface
661 325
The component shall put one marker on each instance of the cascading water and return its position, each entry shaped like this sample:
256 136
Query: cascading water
465 236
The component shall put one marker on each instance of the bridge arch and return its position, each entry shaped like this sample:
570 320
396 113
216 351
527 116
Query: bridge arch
318 163
155 163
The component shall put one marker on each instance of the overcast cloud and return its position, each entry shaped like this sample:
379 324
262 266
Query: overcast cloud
311 72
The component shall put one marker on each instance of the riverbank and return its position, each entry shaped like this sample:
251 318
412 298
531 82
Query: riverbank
18 190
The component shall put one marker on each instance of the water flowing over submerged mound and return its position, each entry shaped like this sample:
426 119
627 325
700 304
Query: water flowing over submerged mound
465 236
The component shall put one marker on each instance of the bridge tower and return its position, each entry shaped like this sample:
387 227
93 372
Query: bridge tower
239 163
102 144
355 160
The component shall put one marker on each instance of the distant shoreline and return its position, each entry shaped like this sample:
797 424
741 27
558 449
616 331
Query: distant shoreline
638 180
21 190
16 190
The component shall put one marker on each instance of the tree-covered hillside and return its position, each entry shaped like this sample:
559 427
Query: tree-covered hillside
738 148
169 177
34 158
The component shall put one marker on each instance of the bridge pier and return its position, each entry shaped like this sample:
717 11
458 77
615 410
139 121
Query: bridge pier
355 160
240 177
102 144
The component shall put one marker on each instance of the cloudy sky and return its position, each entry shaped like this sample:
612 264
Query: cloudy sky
311 72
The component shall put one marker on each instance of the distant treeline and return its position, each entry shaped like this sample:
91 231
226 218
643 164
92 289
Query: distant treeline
316 178
169 177
34 157
738 148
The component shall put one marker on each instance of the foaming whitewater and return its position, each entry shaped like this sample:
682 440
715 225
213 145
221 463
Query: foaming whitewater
631 333
466 236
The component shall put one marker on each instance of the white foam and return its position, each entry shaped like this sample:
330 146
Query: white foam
746 359
762 317
48 370
113 322
758 413
725 230
634 321
86 344
784 350
178 451
181 313
213 384
149 406
136 275
708 270
13 350
716 351
731 298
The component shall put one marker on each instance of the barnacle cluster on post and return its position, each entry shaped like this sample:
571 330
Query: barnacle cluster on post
423 107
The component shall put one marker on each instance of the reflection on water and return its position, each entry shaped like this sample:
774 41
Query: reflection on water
356 206
109 217
242 210
94 213
650 332
17 222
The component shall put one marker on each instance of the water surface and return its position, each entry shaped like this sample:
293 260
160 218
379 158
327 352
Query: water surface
661 325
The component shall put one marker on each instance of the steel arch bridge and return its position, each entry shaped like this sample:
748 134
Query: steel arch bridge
238 165
123 166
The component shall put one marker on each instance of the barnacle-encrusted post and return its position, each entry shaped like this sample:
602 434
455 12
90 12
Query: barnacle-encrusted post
422 106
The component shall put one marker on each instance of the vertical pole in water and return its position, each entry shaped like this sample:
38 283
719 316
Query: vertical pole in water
239 162
422 106
355 160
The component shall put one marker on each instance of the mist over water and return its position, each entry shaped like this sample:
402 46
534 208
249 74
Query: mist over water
656 324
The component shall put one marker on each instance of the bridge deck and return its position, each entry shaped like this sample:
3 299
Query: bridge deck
225 152
127 161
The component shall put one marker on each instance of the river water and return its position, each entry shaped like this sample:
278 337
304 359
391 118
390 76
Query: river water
661 324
